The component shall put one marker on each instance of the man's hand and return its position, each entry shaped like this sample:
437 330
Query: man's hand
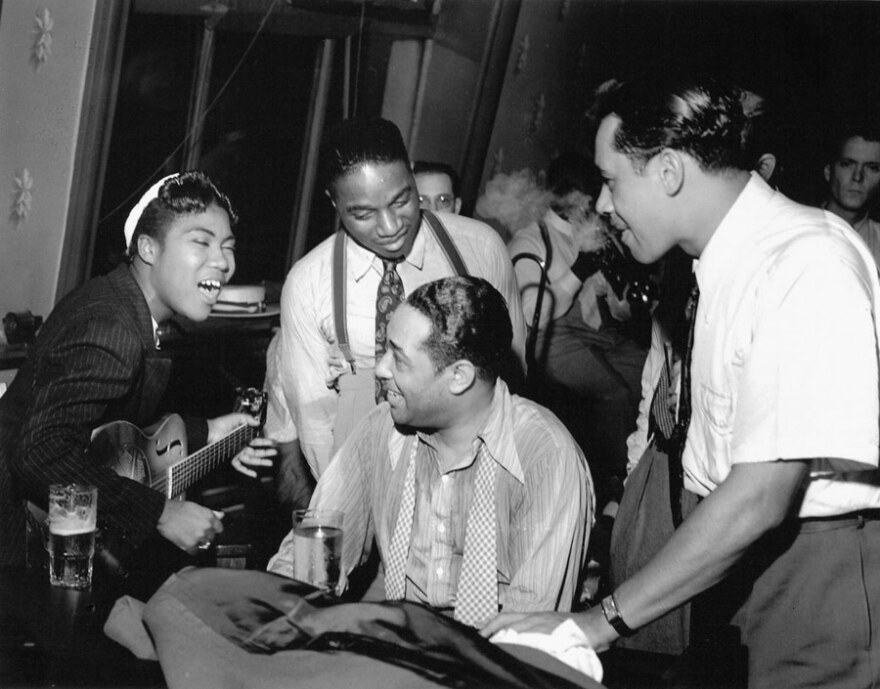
222 426
592 623
336 365
261 452
188 525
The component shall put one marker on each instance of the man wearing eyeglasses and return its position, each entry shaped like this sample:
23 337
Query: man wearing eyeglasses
439 186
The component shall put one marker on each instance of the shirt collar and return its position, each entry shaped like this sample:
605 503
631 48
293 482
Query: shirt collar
361 259
735 235
156 332
496 435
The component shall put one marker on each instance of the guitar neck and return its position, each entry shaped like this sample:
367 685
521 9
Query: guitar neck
190 469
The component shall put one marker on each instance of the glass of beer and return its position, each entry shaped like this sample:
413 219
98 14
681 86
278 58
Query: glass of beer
73 512
317 547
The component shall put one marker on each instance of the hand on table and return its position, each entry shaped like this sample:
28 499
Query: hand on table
592 622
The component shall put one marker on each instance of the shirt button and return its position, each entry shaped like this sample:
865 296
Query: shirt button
440 572
445 478
441 528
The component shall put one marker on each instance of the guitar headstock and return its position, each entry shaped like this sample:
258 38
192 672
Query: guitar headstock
251 401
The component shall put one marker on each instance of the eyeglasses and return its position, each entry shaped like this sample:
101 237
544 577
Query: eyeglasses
442 202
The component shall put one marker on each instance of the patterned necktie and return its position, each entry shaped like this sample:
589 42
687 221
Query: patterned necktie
388 297
661 420
676 472
395 562
476 599
477 591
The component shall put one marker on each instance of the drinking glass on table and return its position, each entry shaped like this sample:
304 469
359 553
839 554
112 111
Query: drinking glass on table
317 547
73 512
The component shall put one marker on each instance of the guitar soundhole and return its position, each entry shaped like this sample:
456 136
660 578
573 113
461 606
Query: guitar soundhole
133 464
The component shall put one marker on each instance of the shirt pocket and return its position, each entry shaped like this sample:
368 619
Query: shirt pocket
718 408
717 433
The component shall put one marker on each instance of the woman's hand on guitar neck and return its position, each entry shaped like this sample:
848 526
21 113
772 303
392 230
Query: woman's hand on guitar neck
222 426
261 452
188 525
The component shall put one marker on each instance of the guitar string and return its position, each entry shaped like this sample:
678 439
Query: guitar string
195 467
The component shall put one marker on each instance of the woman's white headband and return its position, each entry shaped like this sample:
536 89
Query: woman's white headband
135 215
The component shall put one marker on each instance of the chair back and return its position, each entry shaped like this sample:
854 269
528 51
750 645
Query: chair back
544 266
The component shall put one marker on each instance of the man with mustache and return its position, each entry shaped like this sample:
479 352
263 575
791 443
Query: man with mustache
782 440
477 498
439 186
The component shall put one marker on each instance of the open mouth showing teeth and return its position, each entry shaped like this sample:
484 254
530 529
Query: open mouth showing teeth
210 289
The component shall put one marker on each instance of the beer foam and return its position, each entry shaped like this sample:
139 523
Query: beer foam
70 527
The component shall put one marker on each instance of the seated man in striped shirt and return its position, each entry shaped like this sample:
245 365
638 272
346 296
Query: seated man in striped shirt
478 499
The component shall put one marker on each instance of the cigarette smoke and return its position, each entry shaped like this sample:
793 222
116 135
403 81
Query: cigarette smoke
515 200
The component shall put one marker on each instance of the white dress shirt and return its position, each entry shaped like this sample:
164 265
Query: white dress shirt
785 360
308 335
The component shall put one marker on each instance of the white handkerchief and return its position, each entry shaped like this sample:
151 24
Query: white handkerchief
566 643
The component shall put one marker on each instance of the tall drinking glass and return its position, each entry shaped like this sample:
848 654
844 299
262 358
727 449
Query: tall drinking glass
317 547
73 512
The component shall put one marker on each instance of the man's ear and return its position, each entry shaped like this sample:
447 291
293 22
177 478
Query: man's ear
828 173
670 168
457 206
462 376
766 166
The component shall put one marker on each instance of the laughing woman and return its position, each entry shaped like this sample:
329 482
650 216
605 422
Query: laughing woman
96 361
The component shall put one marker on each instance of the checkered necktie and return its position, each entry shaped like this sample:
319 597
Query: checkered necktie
477 592
395 563
476 599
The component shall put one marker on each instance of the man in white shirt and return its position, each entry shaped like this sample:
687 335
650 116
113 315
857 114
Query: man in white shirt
327 375
853 176
783 439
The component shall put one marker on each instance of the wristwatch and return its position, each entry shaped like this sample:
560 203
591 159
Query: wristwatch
612 616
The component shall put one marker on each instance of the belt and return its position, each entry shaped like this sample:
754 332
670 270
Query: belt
856 518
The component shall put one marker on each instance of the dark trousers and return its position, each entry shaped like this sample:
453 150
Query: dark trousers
591 379
805 606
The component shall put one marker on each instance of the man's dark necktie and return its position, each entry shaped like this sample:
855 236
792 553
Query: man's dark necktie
661 420
388 297
679 434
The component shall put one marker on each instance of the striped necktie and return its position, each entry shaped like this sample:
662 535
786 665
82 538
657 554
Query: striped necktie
477 591
661 419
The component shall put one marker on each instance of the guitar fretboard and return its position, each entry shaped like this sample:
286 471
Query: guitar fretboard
190 469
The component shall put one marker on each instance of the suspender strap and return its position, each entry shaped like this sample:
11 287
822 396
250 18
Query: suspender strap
339 297
339 275
446 243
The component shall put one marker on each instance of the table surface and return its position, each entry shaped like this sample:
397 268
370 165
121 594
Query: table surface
53 637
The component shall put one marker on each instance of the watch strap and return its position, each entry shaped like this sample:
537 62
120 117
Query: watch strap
613 617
